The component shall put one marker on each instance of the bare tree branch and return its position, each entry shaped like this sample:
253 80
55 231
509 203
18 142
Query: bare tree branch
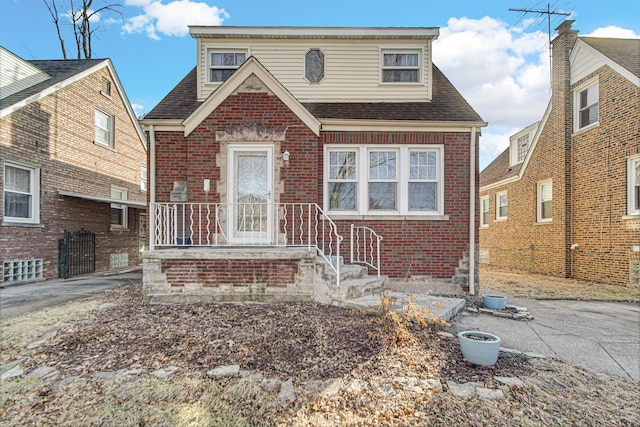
53 11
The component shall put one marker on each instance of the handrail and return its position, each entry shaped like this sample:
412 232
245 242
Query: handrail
365 247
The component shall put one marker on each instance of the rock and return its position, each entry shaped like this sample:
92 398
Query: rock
45 373
511 381
490 393
356 386
44 339
271 384
520 316
287 394
224 371
8 366
431 385
332 386
107 305
252 376
165 372
465 391
315 386
388 390
472 309
16 371
445 334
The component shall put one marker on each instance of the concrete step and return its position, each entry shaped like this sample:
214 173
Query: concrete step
354 288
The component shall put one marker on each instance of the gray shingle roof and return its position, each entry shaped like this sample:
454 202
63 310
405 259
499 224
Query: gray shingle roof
447 105
59 70
499 170
625 52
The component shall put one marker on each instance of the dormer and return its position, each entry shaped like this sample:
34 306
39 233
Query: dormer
323 64
520 142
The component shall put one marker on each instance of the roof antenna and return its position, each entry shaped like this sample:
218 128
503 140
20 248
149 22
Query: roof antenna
547 12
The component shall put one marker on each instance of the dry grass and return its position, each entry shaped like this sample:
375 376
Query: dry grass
527 285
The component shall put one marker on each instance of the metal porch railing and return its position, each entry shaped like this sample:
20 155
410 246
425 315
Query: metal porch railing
365 247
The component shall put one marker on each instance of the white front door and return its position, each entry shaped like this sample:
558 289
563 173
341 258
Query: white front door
251 188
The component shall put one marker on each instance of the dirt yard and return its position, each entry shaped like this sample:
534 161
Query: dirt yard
117 361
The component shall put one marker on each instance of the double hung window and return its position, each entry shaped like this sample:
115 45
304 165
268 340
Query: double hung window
587 106
118 211
104 128
484 215
223 63
21 194
401 66
633 192
545 201
502 205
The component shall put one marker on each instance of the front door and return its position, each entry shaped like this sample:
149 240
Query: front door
250 211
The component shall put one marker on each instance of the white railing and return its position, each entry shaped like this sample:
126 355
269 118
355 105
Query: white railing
245 224
365 247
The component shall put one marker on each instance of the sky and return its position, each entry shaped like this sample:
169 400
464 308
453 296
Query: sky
498 59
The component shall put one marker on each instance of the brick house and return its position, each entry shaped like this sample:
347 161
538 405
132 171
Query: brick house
73 160
564 198
303 163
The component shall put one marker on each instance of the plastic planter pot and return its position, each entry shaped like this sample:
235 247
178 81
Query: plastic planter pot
497 302
479 348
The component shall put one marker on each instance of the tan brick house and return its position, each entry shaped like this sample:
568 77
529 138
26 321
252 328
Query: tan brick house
73 160
295 162
564 198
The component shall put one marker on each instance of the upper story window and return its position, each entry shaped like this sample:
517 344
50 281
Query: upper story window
222 64
484 214
633 191
105 87
523 147
586 102
21 194
545 201
104 127
118 211
400 66
314 66
502 205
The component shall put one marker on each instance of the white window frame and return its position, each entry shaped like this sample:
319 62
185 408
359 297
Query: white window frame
109 130
125 214
633 202
210 67
499 216
540 201
402 180
484 202
590 85
402 51
522 142
144 180
34 192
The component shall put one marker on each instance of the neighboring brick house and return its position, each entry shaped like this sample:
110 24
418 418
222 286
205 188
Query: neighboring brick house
280 139
73 158
569 204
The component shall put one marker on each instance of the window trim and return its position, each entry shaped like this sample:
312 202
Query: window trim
539 201
209 65
483 223
111 120
125 211
401 50
34 191
324 65
402 175
519 145
499 217
631 184
576 105
105 87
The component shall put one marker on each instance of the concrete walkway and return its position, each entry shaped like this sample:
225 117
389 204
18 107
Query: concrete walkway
603 336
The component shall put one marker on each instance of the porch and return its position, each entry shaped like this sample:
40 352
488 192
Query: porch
256 251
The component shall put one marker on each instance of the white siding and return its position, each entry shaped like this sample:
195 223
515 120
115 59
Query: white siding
352 68
583 63
17 74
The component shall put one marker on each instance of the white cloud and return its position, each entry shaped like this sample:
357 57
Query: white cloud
171 19
612 31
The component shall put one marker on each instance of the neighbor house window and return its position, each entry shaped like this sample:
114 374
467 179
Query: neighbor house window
104 128
314 66
394 180
118 211
545 201
484 214
587 106
633 193
400 66
143 178
21 194
502 205
223 63
523 147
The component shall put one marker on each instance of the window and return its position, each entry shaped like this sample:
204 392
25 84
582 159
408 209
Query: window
104 129
502 205
314 66
484 214
118 211
545 201
21 194
222 64
105 87
400 66
633 196
523 147
587 106
389 180
143 178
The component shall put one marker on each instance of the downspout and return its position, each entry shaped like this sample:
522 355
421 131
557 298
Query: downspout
472 213
152 180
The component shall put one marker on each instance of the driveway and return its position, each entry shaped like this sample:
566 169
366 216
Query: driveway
20 299
604 336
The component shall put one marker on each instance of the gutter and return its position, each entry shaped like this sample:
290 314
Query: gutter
152 183
472 213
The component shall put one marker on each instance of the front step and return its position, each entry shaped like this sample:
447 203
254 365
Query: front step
355 282
355 288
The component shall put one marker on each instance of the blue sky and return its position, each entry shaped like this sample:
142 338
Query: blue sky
497 59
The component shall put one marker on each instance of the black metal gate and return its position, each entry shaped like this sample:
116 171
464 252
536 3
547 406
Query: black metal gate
76 253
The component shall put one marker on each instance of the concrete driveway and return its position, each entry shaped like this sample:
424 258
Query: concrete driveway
20 299
604 336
